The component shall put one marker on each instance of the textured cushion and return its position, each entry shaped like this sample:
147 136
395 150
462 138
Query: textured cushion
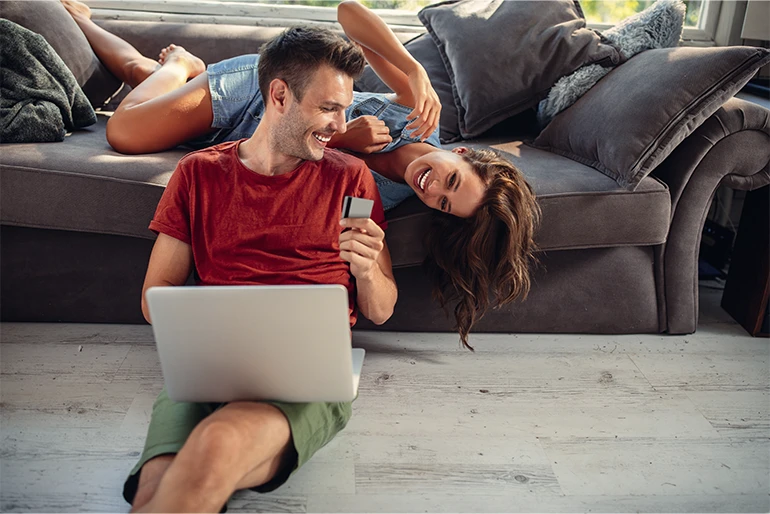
503 56
83 185
633 118
424 50
49 19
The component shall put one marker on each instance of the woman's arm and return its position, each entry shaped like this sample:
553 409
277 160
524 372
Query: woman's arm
393 64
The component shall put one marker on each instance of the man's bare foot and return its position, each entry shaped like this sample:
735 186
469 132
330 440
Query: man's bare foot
76 8
174 53
149 478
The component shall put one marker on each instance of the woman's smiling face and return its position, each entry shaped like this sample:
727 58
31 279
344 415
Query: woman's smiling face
445 181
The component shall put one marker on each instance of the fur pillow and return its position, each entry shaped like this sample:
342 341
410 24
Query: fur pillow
658 26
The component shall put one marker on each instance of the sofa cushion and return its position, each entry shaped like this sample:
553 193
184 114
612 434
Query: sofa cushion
424 50
634 117
52 21
502 56
81 184
581 208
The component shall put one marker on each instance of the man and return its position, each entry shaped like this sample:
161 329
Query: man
264 210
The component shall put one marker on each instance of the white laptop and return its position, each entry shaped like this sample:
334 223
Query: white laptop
283 343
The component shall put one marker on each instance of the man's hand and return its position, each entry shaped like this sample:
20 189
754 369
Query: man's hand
361 246
365 134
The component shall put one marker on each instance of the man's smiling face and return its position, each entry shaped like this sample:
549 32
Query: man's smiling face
305 128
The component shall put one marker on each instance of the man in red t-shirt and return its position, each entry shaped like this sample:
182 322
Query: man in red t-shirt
264 210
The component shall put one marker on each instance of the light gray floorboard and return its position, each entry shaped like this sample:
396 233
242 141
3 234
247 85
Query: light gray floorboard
527 423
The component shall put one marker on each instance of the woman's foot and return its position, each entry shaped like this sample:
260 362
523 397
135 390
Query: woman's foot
177 54
122 59
77 9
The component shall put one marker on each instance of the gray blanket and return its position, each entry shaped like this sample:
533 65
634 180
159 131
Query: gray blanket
40 100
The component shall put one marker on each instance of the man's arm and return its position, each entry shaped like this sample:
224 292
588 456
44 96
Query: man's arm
365 249
171 262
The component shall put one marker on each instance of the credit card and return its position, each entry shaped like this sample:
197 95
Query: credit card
353 207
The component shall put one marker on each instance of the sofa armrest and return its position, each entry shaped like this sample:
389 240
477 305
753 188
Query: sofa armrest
732 147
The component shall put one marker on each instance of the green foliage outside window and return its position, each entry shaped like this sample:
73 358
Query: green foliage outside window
408 5
596 11
611 12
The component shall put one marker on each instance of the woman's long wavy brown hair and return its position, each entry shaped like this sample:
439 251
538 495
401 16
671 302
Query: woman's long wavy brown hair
491 252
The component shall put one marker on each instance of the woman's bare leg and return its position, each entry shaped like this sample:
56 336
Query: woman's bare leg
170 102
165 110
122 59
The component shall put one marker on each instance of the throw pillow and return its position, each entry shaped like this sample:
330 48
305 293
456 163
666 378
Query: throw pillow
502 56
52 21
634 117
658 26
424 50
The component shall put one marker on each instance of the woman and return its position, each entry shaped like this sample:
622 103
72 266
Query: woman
483 241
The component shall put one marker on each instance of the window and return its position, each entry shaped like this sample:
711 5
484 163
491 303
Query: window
609 13
406 5
702 18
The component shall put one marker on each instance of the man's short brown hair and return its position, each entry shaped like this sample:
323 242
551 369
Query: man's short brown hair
296 54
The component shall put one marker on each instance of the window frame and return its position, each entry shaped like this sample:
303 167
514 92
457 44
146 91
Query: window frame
715 17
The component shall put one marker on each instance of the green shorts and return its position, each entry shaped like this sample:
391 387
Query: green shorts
313 425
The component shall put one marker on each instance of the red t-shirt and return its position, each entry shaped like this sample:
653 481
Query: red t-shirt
249 229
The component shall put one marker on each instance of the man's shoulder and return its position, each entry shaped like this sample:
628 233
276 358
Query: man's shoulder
211 154
340 161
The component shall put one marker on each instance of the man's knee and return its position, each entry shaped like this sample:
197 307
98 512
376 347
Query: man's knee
215 437
231 434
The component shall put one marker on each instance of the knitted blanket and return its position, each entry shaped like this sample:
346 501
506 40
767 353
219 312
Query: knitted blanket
40 100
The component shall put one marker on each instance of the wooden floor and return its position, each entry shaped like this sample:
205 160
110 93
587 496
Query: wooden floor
529 423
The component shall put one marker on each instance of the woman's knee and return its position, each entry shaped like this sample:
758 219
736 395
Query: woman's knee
121 135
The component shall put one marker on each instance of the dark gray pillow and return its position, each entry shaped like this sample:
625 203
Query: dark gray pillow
502 56
424 50
634 117
52 21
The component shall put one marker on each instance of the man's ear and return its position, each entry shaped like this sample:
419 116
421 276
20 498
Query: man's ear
279 94
460 150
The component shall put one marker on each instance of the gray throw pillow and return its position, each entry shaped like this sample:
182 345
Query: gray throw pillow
424 50
502 56
52 21
635 116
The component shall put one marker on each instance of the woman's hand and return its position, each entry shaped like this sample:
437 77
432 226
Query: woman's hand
427 107
365 134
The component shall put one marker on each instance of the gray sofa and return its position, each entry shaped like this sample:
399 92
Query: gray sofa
75 243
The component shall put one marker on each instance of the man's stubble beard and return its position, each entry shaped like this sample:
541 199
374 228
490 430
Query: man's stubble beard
289 136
